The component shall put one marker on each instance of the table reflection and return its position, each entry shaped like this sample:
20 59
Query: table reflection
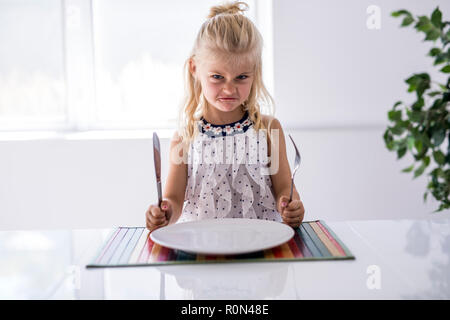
33 263
229 281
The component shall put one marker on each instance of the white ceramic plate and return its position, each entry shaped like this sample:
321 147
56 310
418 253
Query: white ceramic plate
223 236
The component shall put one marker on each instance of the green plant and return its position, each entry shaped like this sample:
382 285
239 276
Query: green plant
423 127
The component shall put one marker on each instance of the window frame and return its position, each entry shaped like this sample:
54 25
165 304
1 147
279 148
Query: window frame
78 48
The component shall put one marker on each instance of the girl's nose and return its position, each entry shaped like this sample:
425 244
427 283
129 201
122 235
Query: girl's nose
228 88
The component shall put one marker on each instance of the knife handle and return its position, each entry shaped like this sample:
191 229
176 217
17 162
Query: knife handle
158 187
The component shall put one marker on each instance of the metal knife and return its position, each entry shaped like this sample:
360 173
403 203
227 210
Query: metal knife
157 158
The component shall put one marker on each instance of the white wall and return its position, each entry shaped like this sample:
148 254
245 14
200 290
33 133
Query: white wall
76 183
334 82
338 78
331 70
57 183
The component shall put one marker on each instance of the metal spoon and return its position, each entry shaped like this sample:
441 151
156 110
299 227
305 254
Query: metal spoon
296 166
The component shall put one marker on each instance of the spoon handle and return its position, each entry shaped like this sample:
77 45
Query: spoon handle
292 189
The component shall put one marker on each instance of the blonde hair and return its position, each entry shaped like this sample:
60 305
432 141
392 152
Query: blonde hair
228 34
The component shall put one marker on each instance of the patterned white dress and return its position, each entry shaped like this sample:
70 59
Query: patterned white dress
228 174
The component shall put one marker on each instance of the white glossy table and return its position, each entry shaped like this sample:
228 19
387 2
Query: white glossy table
395 259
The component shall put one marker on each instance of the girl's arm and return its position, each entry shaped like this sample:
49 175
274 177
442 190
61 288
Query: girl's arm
175 188
281 179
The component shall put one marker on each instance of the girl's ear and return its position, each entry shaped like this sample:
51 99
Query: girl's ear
192 67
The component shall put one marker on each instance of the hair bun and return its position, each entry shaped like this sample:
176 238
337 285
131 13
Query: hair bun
228 8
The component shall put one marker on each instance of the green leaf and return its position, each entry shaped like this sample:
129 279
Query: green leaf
395 115
401 152
422 167
426 161
441 58
424 24
436 17
446 69
418 82
387 136
416 116
397 130
434 93
433 34
419 103
421 88
438 172
446 96
390 145
426 140
438 137
443 206
434 52
418 144
410 142
439 157
414 79
447 36
408 169
407 21
437 104
404 124
419 171
400 12
397 104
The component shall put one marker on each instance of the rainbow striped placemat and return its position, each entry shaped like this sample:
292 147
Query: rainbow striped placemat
126 246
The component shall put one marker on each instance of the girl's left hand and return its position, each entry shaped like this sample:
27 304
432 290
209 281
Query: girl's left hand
292 212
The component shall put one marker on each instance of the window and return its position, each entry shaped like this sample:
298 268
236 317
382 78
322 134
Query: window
32 86
97 64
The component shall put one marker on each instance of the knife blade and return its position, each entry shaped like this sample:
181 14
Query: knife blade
157 160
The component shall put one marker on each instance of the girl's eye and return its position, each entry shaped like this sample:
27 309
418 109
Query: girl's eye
219 77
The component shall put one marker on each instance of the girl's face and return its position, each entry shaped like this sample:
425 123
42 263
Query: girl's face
225 85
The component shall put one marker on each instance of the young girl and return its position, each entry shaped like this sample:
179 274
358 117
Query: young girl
219 165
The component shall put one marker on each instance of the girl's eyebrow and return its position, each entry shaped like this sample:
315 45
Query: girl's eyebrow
246 72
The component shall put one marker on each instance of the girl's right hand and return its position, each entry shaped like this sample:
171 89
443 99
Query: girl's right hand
157 217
